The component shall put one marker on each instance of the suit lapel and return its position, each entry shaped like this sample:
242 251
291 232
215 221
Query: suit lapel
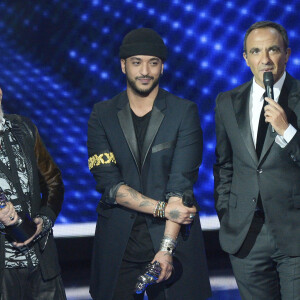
126 123
240 102
154 124
127 126
157 117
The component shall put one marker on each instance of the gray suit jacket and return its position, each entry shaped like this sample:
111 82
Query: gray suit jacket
240 176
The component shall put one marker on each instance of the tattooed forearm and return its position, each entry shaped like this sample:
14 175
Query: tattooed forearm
134 194
121 195
133 199
125 203
146 203
139 197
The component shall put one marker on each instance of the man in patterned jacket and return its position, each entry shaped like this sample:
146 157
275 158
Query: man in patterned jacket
29 269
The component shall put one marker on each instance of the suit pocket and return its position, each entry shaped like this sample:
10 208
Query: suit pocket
232 200
163 146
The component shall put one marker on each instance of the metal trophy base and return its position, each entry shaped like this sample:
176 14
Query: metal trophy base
23 230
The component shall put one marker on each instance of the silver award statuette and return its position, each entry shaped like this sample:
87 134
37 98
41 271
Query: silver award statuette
23 229
149 277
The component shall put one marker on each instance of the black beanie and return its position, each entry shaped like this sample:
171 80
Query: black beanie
143 41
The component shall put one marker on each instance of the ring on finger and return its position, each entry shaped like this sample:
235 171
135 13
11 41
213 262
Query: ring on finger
192 216
12 218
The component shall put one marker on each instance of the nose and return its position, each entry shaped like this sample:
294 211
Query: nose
144 69
266 57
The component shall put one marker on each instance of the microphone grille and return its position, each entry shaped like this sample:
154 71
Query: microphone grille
268 78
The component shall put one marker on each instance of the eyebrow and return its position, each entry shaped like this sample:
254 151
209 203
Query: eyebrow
139 59
269 48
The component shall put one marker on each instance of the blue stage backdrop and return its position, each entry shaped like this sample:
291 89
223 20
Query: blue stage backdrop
59 57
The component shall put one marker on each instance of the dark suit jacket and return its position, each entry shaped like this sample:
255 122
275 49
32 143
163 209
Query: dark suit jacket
171 157
240 176
44 178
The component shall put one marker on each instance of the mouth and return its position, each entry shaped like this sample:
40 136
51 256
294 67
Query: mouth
144 80
267 70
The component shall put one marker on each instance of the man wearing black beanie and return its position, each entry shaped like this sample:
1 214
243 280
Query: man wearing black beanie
145 149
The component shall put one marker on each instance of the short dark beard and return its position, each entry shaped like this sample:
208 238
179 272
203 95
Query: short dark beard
140 92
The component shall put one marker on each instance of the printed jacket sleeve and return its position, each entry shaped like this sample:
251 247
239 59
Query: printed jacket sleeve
102 162
51 184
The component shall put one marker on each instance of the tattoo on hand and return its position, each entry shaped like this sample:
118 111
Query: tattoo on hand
174 214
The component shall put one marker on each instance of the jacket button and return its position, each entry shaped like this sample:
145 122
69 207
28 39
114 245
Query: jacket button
293 157
254 200
132 216
259 171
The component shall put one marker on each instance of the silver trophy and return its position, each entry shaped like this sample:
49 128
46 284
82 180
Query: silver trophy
23 229
149 277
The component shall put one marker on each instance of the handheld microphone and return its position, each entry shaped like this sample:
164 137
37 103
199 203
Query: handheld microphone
188 199
269 82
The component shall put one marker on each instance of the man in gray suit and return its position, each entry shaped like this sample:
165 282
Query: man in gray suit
257 171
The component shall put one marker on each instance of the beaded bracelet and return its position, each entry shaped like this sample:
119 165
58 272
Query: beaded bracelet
159 210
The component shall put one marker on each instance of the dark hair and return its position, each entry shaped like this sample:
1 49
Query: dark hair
264 24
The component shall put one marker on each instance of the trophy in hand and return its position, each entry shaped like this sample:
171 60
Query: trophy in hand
23 229
149 277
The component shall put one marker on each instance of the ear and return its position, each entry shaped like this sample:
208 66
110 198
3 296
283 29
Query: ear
245 58
162 69
123 65
0 96
288 54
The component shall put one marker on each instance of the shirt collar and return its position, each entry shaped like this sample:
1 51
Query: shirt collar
258 91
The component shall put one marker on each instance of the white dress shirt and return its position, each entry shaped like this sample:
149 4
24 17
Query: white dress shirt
255 107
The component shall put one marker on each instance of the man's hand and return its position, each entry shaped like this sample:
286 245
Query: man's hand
175 211
8 215
39 222
275 115
165 260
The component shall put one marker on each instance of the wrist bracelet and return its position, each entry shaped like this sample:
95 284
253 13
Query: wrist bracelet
168 244
159 210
